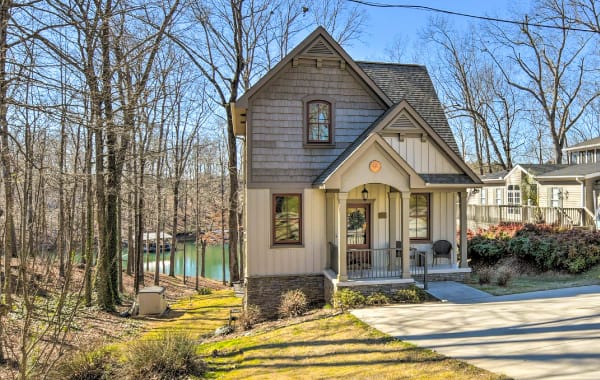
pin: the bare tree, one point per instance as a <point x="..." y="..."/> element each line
<point x="553" y="69"/>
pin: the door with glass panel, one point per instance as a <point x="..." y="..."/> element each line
<point x="358" y="235"/>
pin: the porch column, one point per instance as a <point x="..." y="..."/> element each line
<point x="341" y="233"/>
<point x="463" y="229"/>
<point x="394" y="196"/>
<point x="329" y="224"/>
<point x="405" y="235"/>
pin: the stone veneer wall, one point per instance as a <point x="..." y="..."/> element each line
<point x="458" y="276"/>
<point x="265" y="292"/>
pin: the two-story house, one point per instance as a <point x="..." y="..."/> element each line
<point x="352" y="175"/>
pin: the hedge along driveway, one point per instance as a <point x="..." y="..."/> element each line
<point x="543" y="335"/>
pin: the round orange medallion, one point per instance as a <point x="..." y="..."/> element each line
<point x="375" y="166"/>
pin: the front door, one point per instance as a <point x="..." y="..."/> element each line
<point x="358" y="217"/>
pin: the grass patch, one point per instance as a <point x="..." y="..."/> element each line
<point x="197" y="316"/>
<point x="523" y="283"/>
<point x="333" y="346"/>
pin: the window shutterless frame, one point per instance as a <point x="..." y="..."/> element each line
<point x="286" y="219"/>
<point x="319" y="120"/>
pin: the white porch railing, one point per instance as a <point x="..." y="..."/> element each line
<point x="484" y="215"/>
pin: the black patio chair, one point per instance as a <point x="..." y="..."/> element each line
<point x="441" y="249"/>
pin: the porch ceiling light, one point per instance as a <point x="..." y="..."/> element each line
<point x="365" y="193"/>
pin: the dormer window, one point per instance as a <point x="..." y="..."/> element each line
<point x="319" y="122"/>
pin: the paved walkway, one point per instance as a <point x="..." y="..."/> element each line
<point x="541" y="335"/>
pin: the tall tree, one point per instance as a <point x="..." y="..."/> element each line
<point x="552" y="68"/>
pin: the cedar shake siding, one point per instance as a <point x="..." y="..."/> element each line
<point x="277" y="148"/>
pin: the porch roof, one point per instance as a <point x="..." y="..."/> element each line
<point x="587" y="171"/>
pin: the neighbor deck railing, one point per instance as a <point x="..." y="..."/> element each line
<point x="484" y="215"/>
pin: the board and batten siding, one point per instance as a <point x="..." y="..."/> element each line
<point x="423" y="156"/>
<point x="262" y="258"/>
<point x="276" y="123"/>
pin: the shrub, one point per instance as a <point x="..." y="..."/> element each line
<point x="377" y="299"/>
<point x="412" y="294"/>
<point x="249" y="316"/>
<point x="293" y="304"/>
<point x="485" y="275"/>
<point x="85" y="365"/>
<point x="204" y="291"/>
<point x="504" y="276"/>
<point x="345" y="299"/>
<point x="169" y="356"/>
<point x="485" y="250"/>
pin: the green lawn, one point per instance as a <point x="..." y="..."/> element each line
<point x="332" y="346"/>
<point x="544" y="281"/>
<point x="324" y="346"/>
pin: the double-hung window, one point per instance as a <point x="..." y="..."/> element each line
<point x="483" y="197"/>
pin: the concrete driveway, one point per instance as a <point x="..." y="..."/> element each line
<point x="540" y="335"/>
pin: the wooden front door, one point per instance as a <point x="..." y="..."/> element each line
<point x="358" y="224"/>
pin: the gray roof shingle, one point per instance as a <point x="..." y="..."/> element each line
<point x="413" y="84"/>
<point x="539" y="169"/>
<point x="574" y="170"/>
<point x="494" y="176"/>
<point x="594" y="141"/>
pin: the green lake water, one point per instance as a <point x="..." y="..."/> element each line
<point x="214" y="261"/>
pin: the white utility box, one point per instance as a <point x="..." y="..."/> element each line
<point x="152" y="300"/>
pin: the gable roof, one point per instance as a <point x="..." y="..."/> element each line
<point x="370" y="140"/>
<point x="595" y="142"/>
<point x="468" y="177"/>
<point x="413" y="84"/>
<point x="530" y="169"/>
<point x="590" y="170"/>
<point x="320" y="32"/>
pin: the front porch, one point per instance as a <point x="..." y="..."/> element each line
<point x="377" y="233"/>
<point x="385" y="264"/>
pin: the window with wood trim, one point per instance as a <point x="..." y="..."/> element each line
<point x="419" y="216"/>
<point x="287" y="219"/>
<point x="318" y="120"/>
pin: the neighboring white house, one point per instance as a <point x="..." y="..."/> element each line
<point x="574" y="188"/>
<point x="351" y="171"/>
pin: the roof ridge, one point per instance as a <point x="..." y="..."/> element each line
<point x="391" y="63"/>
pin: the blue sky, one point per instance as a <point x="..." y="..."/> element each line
<point x="384" y="25"/>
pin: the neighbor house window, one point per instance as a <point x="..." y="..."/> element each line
<point x="483" y="196"/>
<point x="597" y="156"/>
<point x="418" y="224"/>
<point x="555" y="197"/>
<point x="514" y="198"/>
<point x="498" y="197"/>
<point x="514" y="195"/>
<point x="590" y="156"/>
<point x="287" y="219"/>
<point x="318" y="122"/>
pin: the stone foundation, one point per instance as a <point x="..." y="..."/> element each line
<point x="266" y="291"/>
<point x="457" y="276"/>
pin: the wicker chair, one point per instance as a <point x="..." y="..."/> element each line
<point x="441" y="249"/>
